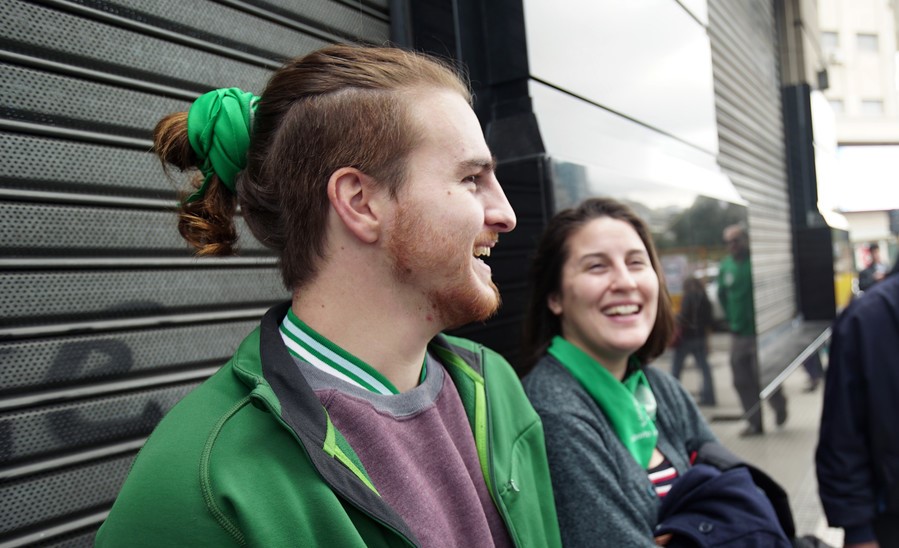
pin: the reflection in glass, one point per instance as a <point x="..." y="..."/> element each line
<point x="650" y="61"/>
<point x="687" y="227"/>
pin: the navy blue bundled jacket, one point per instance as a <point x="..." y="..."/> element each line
<point x="724" y="501"/>
<point x="858" y="450"/>
<point x="710" y="507"/>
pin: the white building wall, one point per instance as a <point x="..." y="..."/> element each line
<point x="859" y="77"/>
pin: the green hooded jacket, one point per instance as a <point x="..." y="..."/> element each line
<point x="251" y="458"/>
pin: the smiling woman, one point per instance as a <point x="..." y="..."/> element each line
<point x="608" y="299"/>
<point x="619" y="432"/>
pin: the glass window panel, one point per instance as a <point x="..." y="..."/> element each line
<point x="649" y="60"/>
<point x="872" y="106"/>
<point x="867" y="42"/>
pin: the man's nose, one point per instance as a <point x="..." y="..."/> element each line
<point x="498" y="213"/>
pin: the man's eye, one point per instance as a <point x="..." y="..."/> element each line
<point x="473" y="179"/>
<point x="596" y="266"/>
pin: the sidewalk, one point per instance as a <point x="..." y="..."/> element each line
<point x="786" y="453"/>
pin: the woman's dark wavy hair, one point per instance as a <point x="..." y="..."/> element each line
<point x="545" y="279"/>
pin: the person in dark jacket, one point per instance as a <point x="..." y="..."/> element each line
<point x="874" y="272"/>
<point x="858" y="449"/>
<point x="693" y="322"/>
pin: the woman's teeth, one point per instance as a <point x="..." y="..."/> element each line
<point x="622" y="310"/>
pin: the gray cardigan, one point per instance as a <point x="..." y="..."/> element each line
<point x="603" y="497"/>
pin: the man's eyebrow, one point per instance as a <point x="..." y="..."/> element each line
<point x="481" y="164"/>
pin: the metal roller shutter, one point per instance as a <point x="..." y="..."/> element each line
<point x="751" y="143"/>
<point x="107" y="320"/>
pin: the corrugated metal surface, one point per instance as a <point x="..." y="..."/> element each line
<point x="751" y="142"/>
<point x="106" y="319"/>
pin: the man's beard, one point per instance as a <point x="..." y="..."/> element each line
<point x="418" y="251"/>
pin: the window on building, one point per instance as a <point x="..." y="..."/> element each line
<point x="872" y="106"/>
<point x="830" y="41"/>
<point x="836" y="105"/>
<point x="867" y="42"/>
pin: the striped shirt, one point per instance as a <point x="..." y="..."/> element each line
<point x="662" y="477"/>
<point x="306" y="344"/>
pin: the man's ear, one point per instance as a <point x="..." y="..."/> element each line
<point x="554" y="303"/>
<point x="355" y="198"/>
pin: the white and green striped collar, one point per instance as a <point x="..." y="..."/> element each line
<point x="305" y="343"/>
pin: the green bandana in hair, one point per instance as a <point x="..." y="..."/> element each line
<point x="218" y="128"/>
<point x="629" y="404"/>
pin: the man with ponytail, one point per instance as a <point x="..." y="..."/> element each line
<point x="347" y="418"/>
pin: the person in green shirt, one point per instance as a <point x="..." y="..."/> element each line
<point x="736" y="297"/>
<point x="347" y="419"/>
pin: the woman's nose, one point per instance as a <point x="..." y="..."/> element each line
<point x="623" y="278"/>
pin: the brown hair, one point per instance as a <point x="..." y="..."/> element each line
<point x="340" y="106"/>
<point x="545" y="279"/>
<point x="693" y="285"/>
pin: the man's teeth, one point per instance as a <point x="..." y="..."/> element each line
<point x="622" y="310"/>
<point x="481" y="250"/>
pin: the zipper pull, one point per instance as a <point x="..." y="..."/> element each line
<point x="511" y="485"/>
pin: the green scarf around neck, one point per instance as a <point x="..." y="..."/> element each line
<point x="629" y="404"/>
